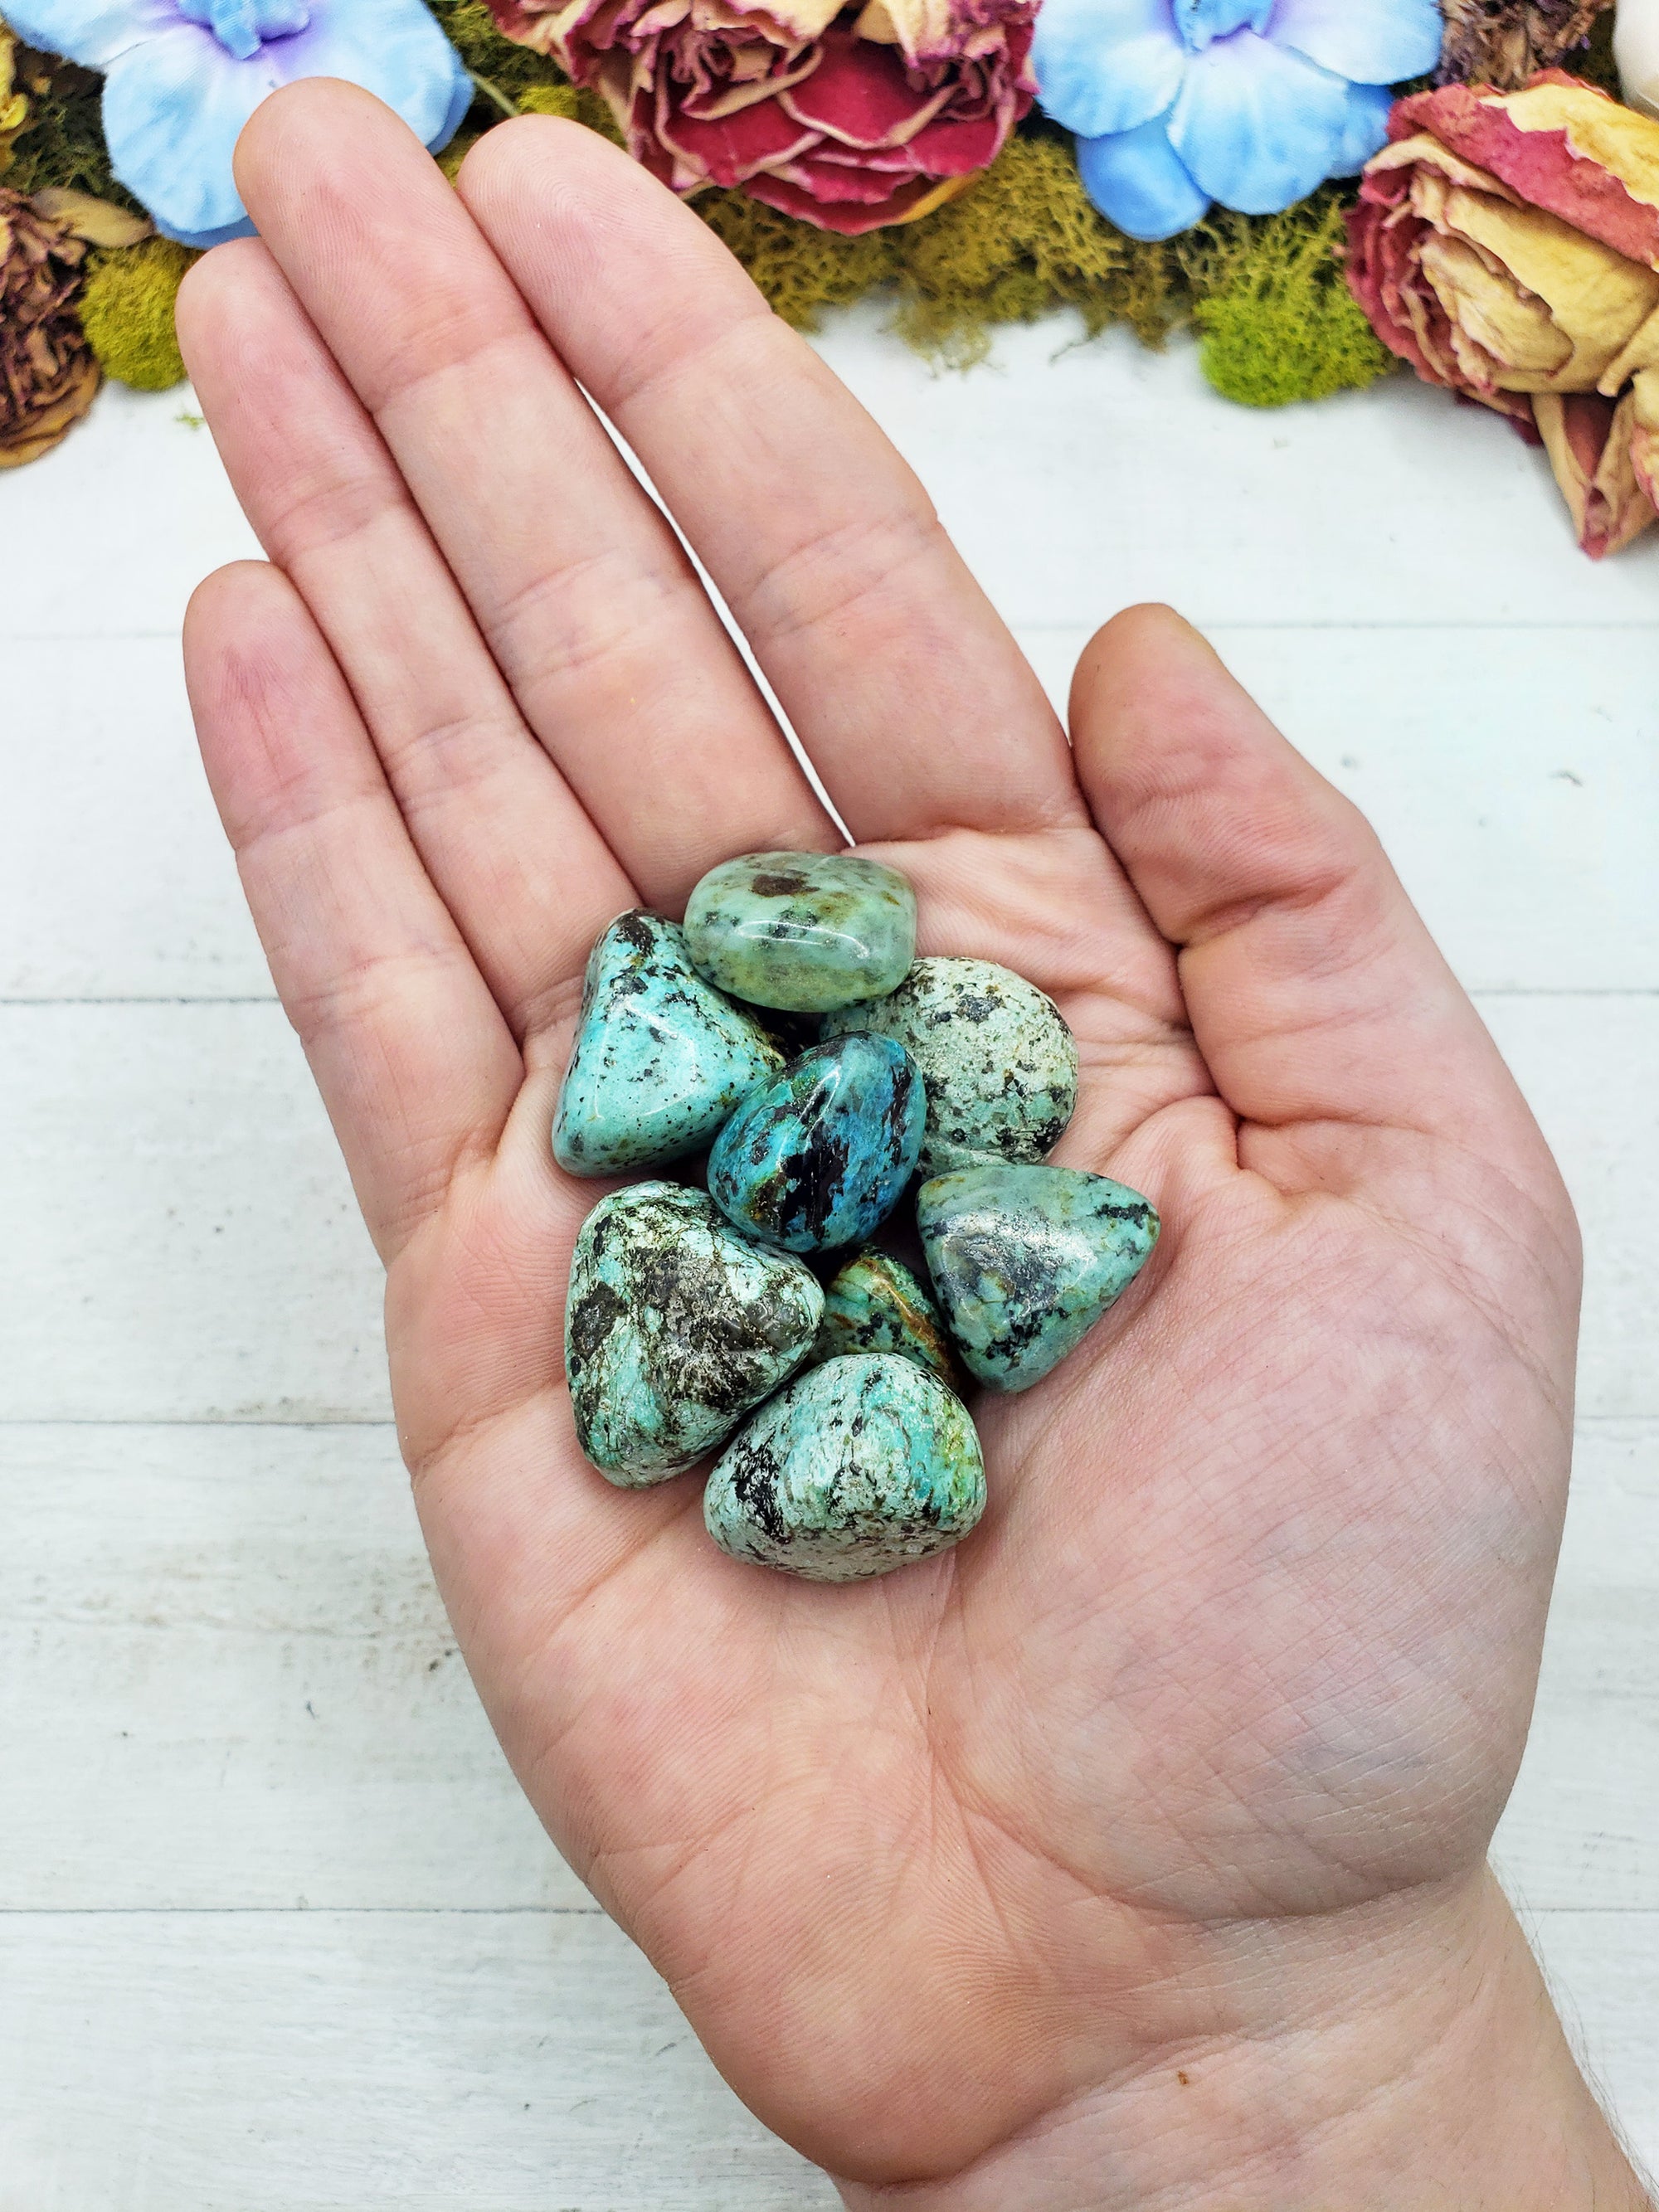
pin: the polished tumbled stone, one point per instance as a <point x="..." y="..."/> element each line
<point x="1025" y="1260"/>
<point x="998" y="1061"/>
<point x="804" y="931"/>
<point x="857" y="1468"/>
<point x="874" y="1303"/>
<point x="820" y="1157"/>
<point x="660" y="1059"/>
<point x="676" y="1327"/>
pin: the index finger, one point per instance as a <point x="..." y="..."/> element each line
<point x="915" y="705"/>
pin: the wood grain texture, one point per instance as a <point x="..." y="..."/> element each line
<point x="239" y="1689"/>
<point x="277" y="1928"/>
<point x="317" y="2062"/>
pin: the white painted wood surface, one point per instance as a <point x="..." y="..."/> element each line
<point x="277" y="1933"/>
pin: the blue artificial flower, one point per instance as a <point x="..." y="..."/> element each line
<point x="182" y="76"/>
<point x="1176" y="103"/>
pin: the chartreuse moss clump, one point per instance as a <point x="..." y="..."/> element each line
<point x="1276" y="320"/>
<point x="126" y="311"/>
<point x="61" y="140"/>
<point x="1023" y="241"/>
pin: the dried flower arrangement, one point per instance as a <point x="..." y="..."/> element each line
<point x="973" y="161"/>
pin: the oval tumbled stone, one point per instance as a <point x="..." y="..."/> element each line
<point x="876" y="1305"/>
<point x="858" y="1467"/>
<point x="802" y="931"/>
<point x="659" y="1060"/>
<point x="1025" y="1260"/>
<point x="820" y="1157"/>
<point x="676" y="1327"/>
<point x="998" y="1061"/>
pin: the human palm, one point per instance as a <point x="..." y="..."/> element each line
<point x="1237" y="1666"/>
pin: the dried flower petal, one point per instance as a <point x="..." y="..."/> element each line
<point x="47" y="374"/>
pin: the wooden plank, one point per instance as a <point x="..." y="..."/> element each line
<point x="120" y="523"/>
<point x="1589" y="1068"/>
<point x="1513" y="777"/>
<point x="116" y="880"/>
<point x="1076" y="479"/>
<point x="1580" y="1827"/>
<point x="183" y="1243"/>
<point x="309" y="2061"/>
<point x="529" y="2062"/>
<point x="231" y="1633"/>
<point x="1603" y="1968"/>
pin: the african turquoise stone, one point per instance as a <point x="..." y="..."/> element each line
<point x="821" y="1156"/>
<point x="1025" y="1260"/>
<point x="676" y="1327"/>
<point x="998" y="1062"/>
<point x="805" y="931"/>
<point x="661" y="1060"/>
<point x="876" y="1305"/>
<point x="857" y="1468"/>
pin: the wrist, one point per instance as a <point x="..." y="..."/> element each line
<point x="1408" y="2060"/>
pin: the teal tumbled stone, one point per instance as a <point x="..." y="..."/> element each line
<point x="1025" y="1260"/>
<point x="997" y="1059"/>
<point x="676" y="1327"/>
<point x="858" y="1467"/>
<point x="874" y="1303"/>
<point x="802" y="931"/>
<point x="821" y="1156"/>
<point x="660" y="1059"/>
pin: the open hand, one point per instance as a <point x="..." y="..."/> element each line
<point x="1017" y="1876"/>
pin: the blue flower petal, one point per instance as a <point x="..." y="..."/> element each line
<point x="173" y="108"/>
<point x="90" y="32"/>
<point x="1105" y="65"/>
<point x="1366" y="129"/>
<point x="1372" y="41"/>
<point x="1137" y="182"/>
<point x="1257" y="125"/>
<point x="393" y="48"/>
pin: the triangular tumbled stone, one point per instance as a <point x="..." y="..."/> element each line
<point x="661" y="1058"/>
<point x="676" y="1327"/>
<point x="1025" y="1260"/>
<point x="858" y="1467"/>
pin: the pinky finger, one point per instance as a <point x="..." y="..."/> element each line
<point x="416" y="1067"/>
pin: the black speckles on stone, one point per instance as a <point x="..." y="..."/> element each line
<point x="819" y="1158"/>
<point x="999" y="1064"/>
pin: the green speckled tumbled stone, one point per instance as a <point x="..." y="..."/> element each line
<point x="997" y="1060"/>
<point x="802" y="931"/>
<point x="661" y="1060"/>
<point x="857" y="1468"/>
<point x="676" y="1327"/>
<point x="876" y="1305"/>
<point x="1025" y="1260"/>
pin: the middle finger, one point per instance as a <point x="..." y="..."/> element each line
<point x="585" y="595"/>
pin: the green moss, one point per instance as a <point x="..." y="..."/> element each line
<point x="126" y="311"/>
<point x="801" y="269"/>
<point x="1023" y="241"/>
<point x="62" y="141"/>
<point x="1276" y="321"/>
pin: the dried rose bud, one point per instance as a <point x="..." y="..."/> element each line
<point x="1507" y="246"/>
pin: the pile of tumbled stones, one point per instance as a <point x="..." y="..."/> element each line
<point x="695" y="1319"/>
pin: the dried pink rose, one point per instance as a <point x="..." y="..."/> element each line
<point x="1506" y="244"/>
<point x="849" y="116"/>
